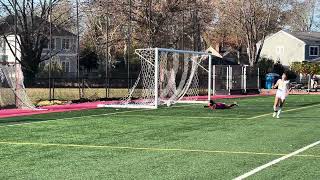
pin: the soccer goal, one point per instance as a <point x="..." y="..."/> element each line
<point x="169" y="76"/>
<point x="12" y="90"/>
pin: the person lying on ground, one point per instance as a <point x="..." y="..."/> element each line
<point x="218" y="105"/>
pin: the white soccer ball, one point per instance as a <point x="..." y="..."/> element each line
<point x="168" y="104"/>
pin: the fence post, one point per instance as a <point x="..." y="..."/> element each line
<point x="82" y="88"/>
<point x="229" y="79"/>
<point x="258" y="79"/>
<point x="309" y="82"/>
<point x="108" y="87"/>
<point x="245" y="78"/>
<point x="53" y="89"/>
<point x="214" y="80"/>
<point x="227" y="83"/>
<point x="242" y="78"/>
<point x="210" y="78"/>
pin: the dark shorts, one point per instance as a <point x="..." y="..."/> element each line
<point x="221" y="106"/>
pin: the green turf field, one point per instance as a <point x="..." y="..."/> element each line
<point x="180" y="142"/>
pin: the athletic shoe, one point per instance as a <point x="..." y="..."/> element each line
<point x="274" y="114"/>
<point x="278" y="113"/>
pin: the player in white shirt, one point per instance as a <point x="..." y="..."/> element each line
<point x="282" y="92"/>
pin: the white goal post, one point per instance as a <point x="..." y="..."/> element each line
<point x="169" y="76"/>
<point x="12" y="90"/>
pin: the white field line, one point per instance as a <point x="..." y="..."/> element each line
<point x="289" y="110"/>
<point x="149" y="149"/>
<point x="181" y="117"/>
<point x="78" y="117"/>
<point x="89" y="116"/>
<point x="260" y="168"/>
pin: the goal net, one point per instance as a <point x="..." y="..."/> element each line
<point x="167" y="77"/>
<point x="12" y="91"/>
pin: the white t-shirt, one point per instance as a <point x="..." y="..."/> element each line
<point x="283" y="85"/>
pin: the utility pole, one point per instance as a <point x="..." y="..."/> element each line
<point x="50" y="49"/>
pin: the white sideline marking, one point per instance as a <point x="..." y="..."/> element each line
<point x="260" y="168"/>
<point x="150" y="149"/>
<point x="79" y="117"/>
<point x="289" y="110"/>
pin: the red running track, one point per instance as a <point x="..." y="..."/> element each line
<point x="7" y="113"/>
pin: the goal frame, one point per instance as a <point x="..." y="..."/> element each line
<point x="12" y="76"/>
<point x="155" y="105"/>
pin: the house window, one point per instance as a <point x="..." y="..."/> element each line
<point x="280" y="50"/>
<point x="66" y="44"/>
<point x="314" y="50"/>
<point x="3" y="58"/>
<point x="2" y="44"/>
<point x="65" y="66"/>
<point x="53" y="44"/>
<point x="46" y="45"/>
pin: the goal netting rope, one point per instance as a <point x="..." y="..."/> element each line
<point x="177" y="79"/>
<point x="12" y="90"/>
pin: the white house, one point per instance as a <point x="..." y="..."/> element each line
<point x="288" y="47"/>
<point x="6" y="55"/>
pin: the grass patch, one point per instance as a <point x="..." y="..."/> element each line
<point x="96" y="136"/>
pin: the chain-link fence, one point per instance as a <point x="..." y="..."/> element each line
<point x="83" y="89"/>
<point x="235" y="79"/>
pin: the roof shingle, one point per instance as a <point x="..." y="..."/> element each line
<point x="310" y="38"/>
<point x="7" y="26"/>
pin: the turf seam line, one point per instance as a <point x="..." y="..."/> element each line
<point x="289" y="110"/>
<point x="79" y="117"/>
<point x="260" y="168"/>
<point x="150" y="149"/>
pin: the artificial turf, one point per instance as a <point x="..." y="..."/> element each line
<point x="181" y="142"/>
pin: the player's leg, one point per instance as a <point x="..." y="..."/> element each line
<point x="275" y="106"/>
<point x="282" y="101"/>
<point x="232" y="105"/>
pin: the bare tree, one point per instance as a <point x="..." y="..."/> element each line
<point x="303" y="15"/>
<point x="174" y="24"/>
<point x="191" y="24"/>
<point x="32" y="26"/>
<point x="252" y="20"/>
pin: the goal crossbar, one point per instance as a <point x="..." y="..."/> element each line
<point x="175" y="51"/>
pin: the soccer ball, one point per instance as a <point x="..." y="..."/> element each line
<point x="168" y="104"/>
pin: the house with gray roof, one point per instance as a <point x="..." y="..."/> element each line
<point x="288" y="47"/>
<point x="63" y="44"/>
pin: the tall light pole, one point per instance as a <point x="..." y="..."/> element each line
<point x="15" y="49"/>
<point x="78" y="49"/>
<point x="107" y="44"/>
<point x="129" y="44"/>
<point x="50" y="49"/>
